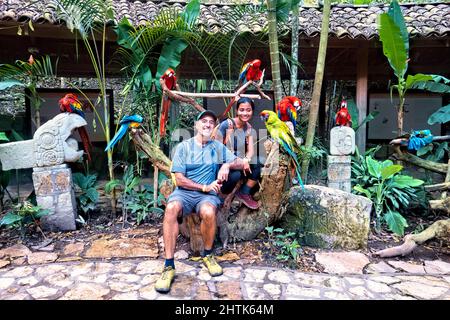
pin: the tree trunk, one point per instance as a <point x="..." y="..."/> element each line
<point x="294" y="68"/>
<point x="314" y="108"/>
<point x="440" y="229"/>
<point x="274" y="50"/>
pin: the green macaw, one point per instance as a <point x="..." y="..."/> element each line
<point x="280" y="132"/>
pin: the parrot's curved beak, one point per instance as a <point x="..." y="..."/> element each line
<point x="264" y="116"/>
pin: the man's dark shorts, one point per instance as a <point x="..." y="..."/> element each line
<point x="191" y="200"/>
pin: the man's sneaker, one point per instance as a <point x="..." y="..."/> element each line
<point x="213" y="267"/>
<point x="247" y="200"/>
<point x="165" y="281"/>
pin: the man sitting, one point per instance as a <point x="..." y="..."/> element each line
<point x="196" y="163"/>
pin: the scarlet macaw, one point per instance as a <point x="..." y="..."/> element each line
<point x="287" y="109"/>
<point x="70" y="103"/>
<point x="171" y="82"/>
<point x="133" y="121"/>
<point x="280" y="132"/>
<point x="250" y="71"/>
<point x="343" y="117"/>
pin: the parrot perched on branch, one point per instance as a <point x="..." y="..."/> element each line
<point x="250" y="71"/>
<point x="287" y="109"/>
<point x="171" y="83"/>
<point x="70" y="103"/>
<point x="343" y="117"/>
<point x="133" y="121"/>
<point x="280" y="132"/>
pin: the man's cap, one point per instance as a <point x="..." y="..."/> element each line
<point x="206" y="113"/>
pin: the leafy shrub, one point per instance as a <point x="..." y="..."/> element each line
<point x="89" y="194"/>
<point x="138" y="202"/>
<point x="390" y="191"/>
<point x="22" y="215"/>
<point x="288" y="247"/>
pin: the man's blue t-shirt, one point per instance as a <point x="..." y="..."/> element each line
<point x="200" y="163"/>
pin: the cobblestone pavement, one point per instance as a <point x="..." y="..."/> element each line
<point x="132" y="279"/>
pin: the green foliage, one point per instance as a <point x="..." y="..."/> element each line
<point x="440" y="116"/>
<point x="434" y="151"/>
<point x="22" y="215"/>
<point x="354" y="113"/>
<point x="390" y="191"/>
<point x="89" y="194"/>
<point x="139" y="203"/>
<point x="393" y="46"/>
<point x="3" y="137"/>
<point x="288" y="247"/>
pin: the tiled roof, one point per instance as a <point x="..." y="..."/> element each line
<point x="423" y="20"/>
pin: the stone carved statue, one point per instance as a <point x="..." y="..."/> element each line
<point x="342" y="141"/>
<point x="51" y="145"/>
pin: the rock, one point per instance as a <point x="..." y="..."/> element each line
<point x="361" y="293"/>
<point x="327" y="218"/>
<point x="123" y="286"/>
<point x="408" y="267"/>
<point x="41" y="257"/>
<point x="15" y="251"/>
<point x="122" y="277"/>
<point x="126" y="296"/>
<point x="148" y="292"/>
<point x="380" y="267"/>
<point x="437" y="266"/>
<point x="19" y="261"/>
<point x="254" y="292"/>
<point x="342" y="262"/>
<point x="232" y="272"/>
<point x="19" y="272"/>
<point x="274" y="290"/>
<point x="229" y="290"/>
<point x="293" y="290"/>
<point x="181" y="255"/>
<point x="50" y="269"/>
<point x="202" y="293"/>
<point x="73" y="249"/>
<point x="378" y="287"/>
<point x="42" y="292"/>
<point x="4" y="263"/>
<point x="342" y="141"/>
<point x="149" y="279"/>
<point x="150" y="266"/>
<point x="28" y="281"/>
<point x="336" y="295"/>
<point x="280" y="276"/>
<point x="86" y="291"/>
<point x="123" y="248"/>
<point x="5" y="282"/>
<point x="59" y="280"/>
<point x="51" y="145"/>
<point x="420" y="291"/>
<point x="54" y="192"/>
<point x="182" y="287"/>
<point x="255" y="275"/>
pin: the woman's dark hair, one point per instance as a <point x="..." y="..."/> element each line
<point x="245" y="100"/>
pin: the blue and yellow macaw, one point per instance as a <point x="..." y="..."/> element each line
<point x="280" y="132"/>
<point x="133" y="121"/>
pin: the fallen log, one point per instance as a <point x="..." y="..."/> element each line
<point x="438" y="186"/>
<point x="443" y="204"/>
<point x="426" y="164"/>
<point x="439" y="229"/>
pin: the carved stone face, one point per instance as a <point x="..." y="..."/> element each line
<point x="342" y="141"/>
<point x="52" y="142"/>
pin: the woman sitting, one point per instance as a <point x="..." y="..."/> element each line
<point x="236" y="134"/>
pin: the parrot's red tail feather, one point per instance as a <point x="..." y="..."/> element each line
<point x="164" y="116"/>
<point x="86" y="142"/>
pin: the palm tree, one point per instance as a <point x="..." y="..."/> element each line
<point x="314" y="108"/>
